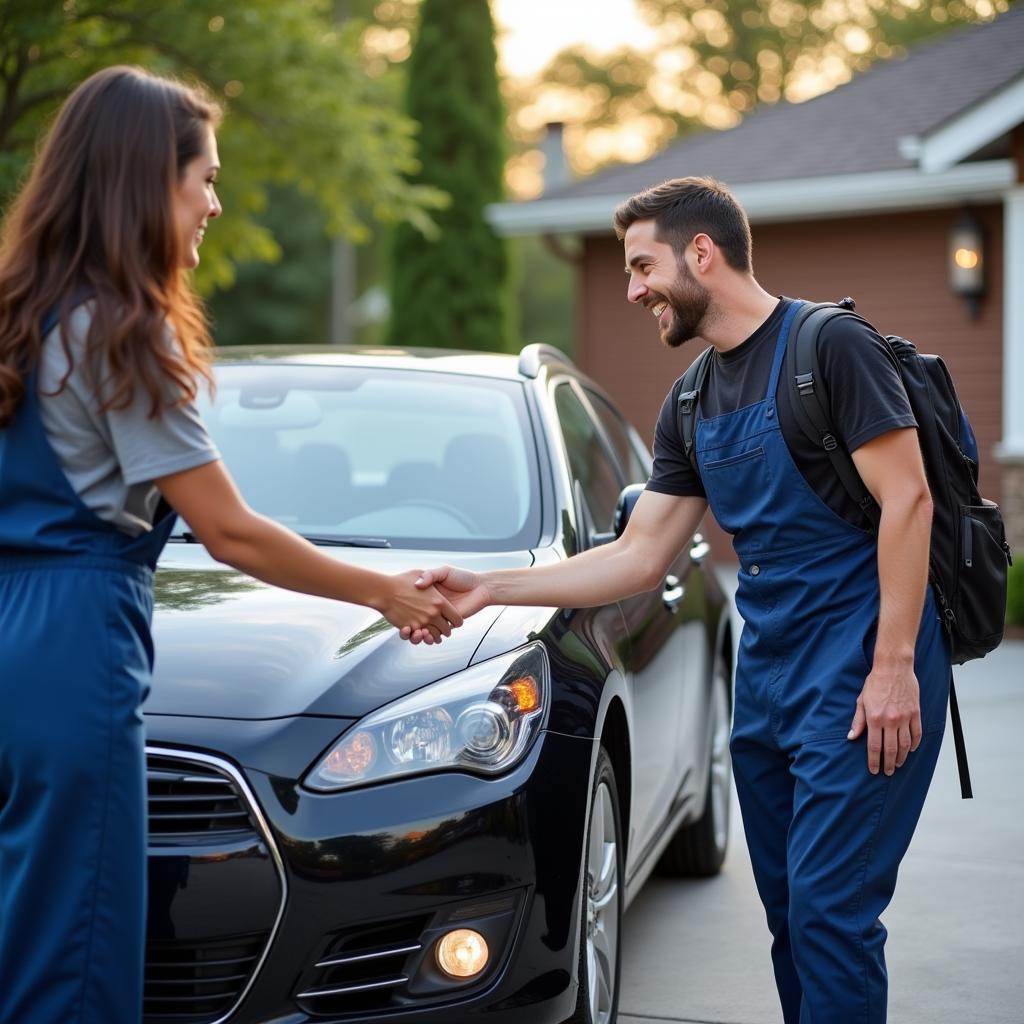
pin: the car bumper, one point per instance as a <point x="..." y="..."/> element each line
<point x="343" y="896"/>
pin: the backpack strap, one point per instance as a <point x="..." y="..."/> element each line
<point x="810" y="401"/>
<point x="689" y="399"/>
<point x="966" y="792"/>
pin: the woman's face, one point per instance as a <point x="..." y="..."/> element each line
<point x="195" y="199"/>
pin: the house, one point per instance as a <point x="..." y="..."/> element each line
<point x="864" y="191"/>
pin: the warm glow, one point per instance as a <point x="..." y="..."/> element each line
<point x="966" y="258"/>
<point x="531" y="32"/>
<point x="462" y="953"/>
<point x="526" y="692"/>
<point x="353" y="758"/>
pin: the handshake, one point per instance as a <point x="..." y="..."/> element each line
<point x="428" y="605"/>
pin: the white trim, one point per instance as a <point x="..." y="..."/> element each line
<point x="794" y="199"/>
<point x="974" y="128"/>
<point x="1012" y="445"/>
<point x="909" y="146"/>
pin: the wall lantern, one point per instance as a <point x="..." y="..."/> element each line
<point x="967" y="261"/>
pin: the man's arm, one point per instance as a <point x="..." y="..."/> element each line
<point x="659" y="527"/>
<point x="889" y="705"/>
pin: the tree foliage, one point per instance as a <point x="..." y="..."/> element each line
<point x="301" y="107"/>
<point x="715" y="60"/>
<point x="450" y="290"/>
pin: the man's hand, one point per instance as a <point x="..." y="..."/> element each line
<point x="890" y="707"/>
<point x="430" y="612"/>
<point x="465" y="590"/>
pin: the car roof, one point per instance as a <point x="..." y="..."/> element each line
<point x="483" y="364"/>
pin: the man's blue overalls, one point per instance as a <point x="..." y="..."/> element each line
<point x="75" y="662"/>
<point x="825" y="836"/>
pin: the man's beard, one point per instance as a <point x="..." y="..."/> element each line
<point x="689" y="301"/>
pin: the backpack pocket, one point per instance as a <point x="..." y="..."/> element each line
<point x="979" y="601"/>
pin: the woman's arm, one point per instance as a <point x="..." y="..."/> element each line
<point x="233" y="533"/>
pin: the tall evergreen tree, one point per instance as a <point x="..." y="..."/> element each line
<point x="450" y="290"/>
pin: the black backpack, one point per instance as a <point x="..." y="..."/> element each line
<point x="969" y="555"/>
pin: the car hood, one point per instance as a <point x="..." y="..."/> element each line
<point x="229" y="646"/>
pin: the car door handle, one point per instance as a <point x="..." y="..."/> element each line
<point x="673" y="593"/>
<point x="699" y="549"/>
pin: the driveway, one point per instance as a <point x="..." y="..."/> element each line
<point x="696" y="952"/>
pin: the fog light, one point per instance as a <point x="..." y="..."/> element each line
<point x="462" y="953"/>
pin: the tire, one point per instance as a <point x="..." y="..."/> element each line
<point x="698" y="849"/>
<point x="601" y="923"/>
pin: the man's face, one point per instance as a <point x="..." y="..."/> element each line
<point x="664" y="284"/>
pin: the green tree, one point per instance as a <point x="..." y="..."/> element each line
<point x="302" y="109"/>
<point x="285" y="302"/>
<point x="451" y="290"/>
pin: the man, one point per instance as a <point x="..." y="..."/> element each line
<point x="842" y="676"/>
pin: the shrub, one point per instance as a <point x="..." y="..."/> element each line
<point x="1015" y="592"/>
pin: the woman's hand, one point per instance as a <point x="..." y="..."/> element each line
<point x="420" y="610"/>
<point x="466" y="591"/>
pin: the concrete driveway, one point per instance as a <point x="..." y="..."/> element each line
<point x="697" y="951"/>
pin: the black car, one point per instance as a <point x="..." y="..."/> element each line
<point x="347" y="827"/>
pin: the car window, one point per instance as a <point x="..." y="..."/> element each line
<point x="588" y="458"/>
<point x="419" y="459"/>
<point x="623" y="440"/>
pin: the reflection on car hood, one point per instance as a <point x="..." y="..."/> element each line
<point x="228" y="646"/>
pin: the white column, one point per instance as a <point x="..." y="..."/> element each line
<point x="1012" y="444"/>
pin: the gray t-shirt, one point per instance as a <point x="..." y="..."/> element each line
<point x="112" y="458"/>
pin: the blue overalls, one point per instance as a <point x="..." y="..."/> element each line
<point x="825" y="836"/>
<point x="76" y="597"/>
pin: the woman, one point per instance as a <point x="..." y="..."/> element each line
<point x="101" y="345"/>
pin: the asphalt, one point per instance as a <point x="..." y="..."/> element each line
<point x="697" y="952"/>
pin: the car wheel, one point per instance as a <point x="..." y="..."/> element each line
<point x="601" y="926"/>
<point x="698" y="849"/>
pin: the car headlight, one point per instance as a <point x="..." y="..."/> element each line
<point x="482" y="720"/>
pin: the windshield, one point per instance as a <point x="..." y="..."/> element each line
<point x="379" y="456"/>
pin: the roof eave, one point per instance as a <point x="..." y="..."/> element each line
<point x="972" y="129"/>
<point x="794" y="199"/>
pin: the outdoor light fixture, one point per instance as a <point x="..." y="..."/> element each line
<point x="967" y="261"/>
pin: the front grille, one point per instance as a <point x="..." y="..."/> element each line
<point x="188" y="798"/>
<point x="363" y="969"/>
<point x="208" y="839"/>
<point x="197" y="982"/>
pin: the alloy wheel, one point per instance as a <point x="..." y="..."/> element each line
<point x="602" y="907"/>
<point x="721" y="765"/>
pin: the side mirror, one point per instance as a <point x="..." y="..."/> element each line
<point x="628" y="498"/>
<point x="623" y="510"/>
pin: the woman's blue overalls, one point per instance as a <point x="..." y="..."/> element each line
<point x="825" y="836"/>
<point x="75" y="661"/>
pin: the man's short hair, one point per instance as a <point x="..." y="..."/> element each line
<point x="684" y="207"/>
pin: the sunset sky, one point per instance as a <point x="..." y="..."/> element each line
<point x="533" y="31"/>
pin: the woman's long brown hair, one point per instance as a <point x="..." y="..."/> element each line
<point x="96" y="218"/>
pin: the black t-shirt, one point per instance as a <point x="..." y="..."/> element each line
<point x="862" y="380"/>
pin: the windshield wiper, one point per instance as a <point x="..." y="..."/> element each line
<point x="347" y="542"/>
<point x="330" y="542"/>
